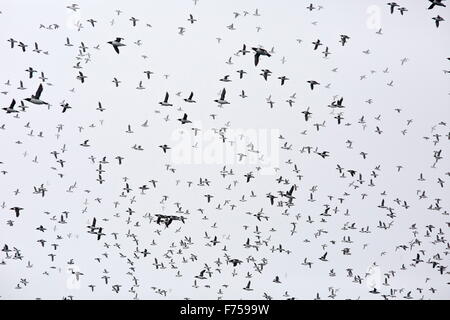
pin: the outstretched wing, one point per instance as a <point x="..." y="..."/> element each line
<point x="39" y="91"/>
<point x="116" y="48"/>
<point x="166" y="98"/>
<point x="222" y="96"/>
<point x="256" y="59"/>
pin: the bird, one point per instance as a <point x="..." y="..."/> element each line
<point x="166" y="101"/>
<point x="116" y="82"/>
<point x="11" y="109"/>
<point x="221" y="100"/>
<point x="344" y="39"/>
<point x="283" y="79"/>
<point x="133" y="22"/>
<point x="312" y="83"/>
<point x="247" y="287"/>
<point x="164" y="147"/>
<point x="316" y="44"/>
<point x="437" y="20"/>
<point x="392" y="6"/>
<point x="191" y="19"/>
<point x="190" y="98"/>
<point x="436" y="3"/>
<point x="65" y="106"/>
<point x="36" y="98"/>
<point x="260" y="52"/>
<point x="17" y="211"/>
<point x="73" y="7"/>
<point x="184" y="120"/>
<point x="117" y="43"/>
<point x="81" y="76"/>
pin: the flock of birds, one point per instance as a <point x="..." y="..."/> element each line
<point x="226" y="231"/>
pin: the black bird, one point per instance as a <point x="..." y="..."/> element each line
<point x="191" y="19"/>
<point x="307" y="114"/>
<point x="189" y="99"/>
<point x="324" y="257"/>
<point x="81" y="76"/>
<point x="244" y="50"/>
<point x="260" y="52"/>
<point x="116" y="44"/>
<point x="133" y="21"/>
<point x="344" y="39"/>
<point x="402" y="9"/>
<point x="184" y="120"/>
<point x="11" y="109"/>
<point x="65" y="106"/>
<point x="283" y="79"/>
<point x="392" y="5"/>
<point x="31" y="71"/>
<point x="435" y="3"/>
<point x="317" y="44"/>
<point x="241" y="73"/>
<point x="437" y="20"/>
<point x="337" y="103"/>
<point x="16" y="210"/>
<point x="312" y="83"/>
<point x="36" y="98"/>
<point x="265" y="73"/>
<point x="166" y="101"/>
<point x="165" y="147"/>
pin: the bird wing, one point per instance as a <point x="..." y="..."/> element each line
<point x="116" y="48"/>
<point x="222" y="96"/>
<point x="256" y="58"/>
<point x="166" y="98"/>
<point x="39" y="91"/>
<point x="292" y="190"/>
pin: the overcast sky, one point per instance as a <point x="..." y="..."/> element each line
<point x="195" y="61"/>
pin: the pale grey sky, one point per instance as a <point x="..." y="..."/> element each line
<point x="195" y="62"/>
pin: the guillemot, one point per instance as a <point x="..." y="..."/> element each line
<point x="36" y="98"/>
